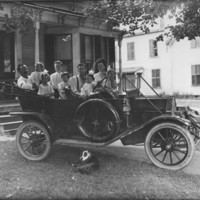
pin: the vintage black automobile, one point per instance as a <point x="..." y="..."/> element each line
<point x="169" y="133"/>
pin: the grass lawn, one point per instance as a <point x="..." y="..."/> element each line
<point x="118" y="178"/>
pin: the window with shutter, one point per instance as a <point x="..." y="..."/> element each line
<point x="195" y="43"/>
<point x="153" y="48"/>
<point x="195" y="69"/>
<point x="156" y="78"/>
<point x="130" y="51"/>
<point x="192" y="43"/>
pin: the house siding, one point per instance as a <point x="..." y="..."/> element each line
<point x="174" y="61"/>
<point x="41" y="43"/>
<point x="28" y="51"/>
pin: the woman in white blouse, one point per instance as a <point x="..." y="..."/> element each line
<point x="100" y="70"/>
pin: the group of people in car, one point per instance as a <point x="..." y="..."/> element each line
<point x="55" y="85"/>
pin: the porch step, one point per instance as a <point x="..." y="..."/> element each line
<point x="9" y="118"/>
<point x="10" y="133"/>
<point x="9" y="128"/>
<point x="11" y="125"/>
<point x="5" y="108"/>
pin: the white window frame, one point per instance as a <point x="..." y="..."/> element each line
<point x="153" y="48"/>
<point x="195" y="72"/>
<point x="130" y="51"/>
<point x="156" y="80"/>
<point x="195" y="43"/>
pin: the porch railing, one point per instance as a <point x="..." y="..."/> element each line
<point x="4" y="96"/>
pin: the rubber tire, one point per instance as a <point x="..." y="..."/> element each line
<point x="110" y="108"/>
<point x="47" y="135"/>
<point x="184" y="132"/>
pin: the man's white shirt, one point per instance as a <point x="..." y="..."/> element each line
<point x="55" y="79"/>
<point x="76" y="83"/>
<point x="24" y="83"/>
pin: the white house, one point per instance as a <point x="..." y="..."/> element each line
<point x="170" y="67"/>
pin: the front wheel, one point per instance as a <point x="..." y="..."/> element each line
<point x="169" y="146"/>
<point x="33" y="141"/>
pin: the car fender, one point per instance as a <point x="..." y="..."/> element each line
<point x="170" y="118"/>
<point x="138" y="134"/>
<point x="40" y="117"/>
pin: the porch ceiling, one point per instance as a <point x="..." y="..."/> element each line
<point x="131" y="69"/>
<point x="58" y="26"/>
<point x="60" y="7"/>
<point x="64" y="14"/>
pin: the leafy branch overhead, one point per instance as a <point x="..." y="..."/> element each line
<point x="131" y="15"/>
<point x="20" y="18"/>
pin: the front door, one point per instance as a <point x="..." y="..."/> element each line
<point x="58" y="47"/>
<point x="7" y="56"/>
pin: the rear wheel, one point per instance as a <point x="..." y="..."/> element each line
<point x="33" y="141"/>
<point x="169" y="146"/>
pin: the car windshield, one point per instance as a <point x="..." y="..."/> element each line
<point x="130" y="81"/>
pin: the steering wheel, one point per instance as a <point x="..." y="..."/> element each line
<point x="70" y="94"/>
<point x="99" y="84"/>
<point x="104" y="89"/>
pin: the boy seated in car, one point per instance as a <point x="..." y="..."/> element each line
<point x="65" y="84"/>
<point x="87" y="88"/>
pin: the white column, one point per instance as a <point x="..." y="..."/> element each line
<point x="120" y="64"/>
<point x="37" y="49"/>
<point x="18" y="51"/>
<point x="76" y="50"/>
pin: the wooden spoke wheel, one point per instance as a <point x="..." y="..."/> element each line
<point x="169" y="146"/>
<point x="33" y="141"/>
<point x="194" y="130"/>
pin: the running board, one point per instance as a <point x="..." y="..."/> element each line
<point x="79" y="143"/>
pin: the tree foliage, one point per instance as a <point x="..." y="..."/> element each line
<point x="187" y="21"/>
<point x="141" y="15"/>
<point x="20" y="18"/>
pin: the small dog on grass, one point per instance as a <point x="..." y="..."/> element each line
<point x="87" y="163"/>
